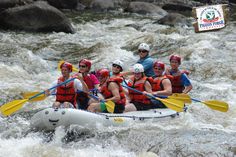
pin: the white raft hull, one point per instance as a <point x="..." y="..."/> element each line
<point x="49" y="119"/>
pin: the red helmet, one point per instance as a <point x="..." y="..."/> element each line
<point x="101" y="73"/>
<point x="175" y="57"/>
<point x="67" y="65"/>
<point x="159" y="64"/>
<point x="87" y="62"/>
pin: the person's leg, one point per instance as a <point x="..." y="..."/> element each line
<point x="130" y="107"/>
<point x="157" y="104"/>
<point x="83" y="103"/>
<point x="56" y="104"/>
<point x="119" y="108"/>
<point x="94" y="107"/>
<point x="67" y="105"/>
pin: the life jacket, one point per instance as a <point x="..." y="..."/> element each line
<point x="135" y="96"/>
<point x="87" y="80"/>
<point x="156" y="82"/>
<point x="108" y="94"/>
<point x="117" y="75"/>
<point x="177" y="86"/>
<point x="65" y="93"/>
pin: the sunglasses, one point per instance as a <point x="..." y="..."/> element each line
<point x="142" y="51"/>
<point x="156" y="68"/>
<point x="115" y="66"/>
<point x="82" y="66"/>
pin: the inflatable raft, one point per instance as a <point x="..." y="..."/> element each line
<point x="49" y="118"/>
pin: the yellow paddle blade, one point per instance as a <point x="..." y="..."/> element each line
<point x="182" y="97"/>
<point x="11" y="107"/>
<point x="74" y="69"/>
<point x="110" y="105"/>
<point x="173" y="104"/>
<point x="28" y="95"/>
<point x="59" y="65"/>
<point x="217" y="105"/>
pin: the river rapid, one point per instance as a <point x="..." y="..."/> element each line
<point x="28" y="62"/>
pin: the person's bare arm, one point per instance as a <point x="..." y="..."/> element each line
<point x="167" y="88"/>
<point x="114" y="88"/>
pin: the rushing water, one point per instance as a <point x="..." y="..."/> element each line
<point x="28" y="62"/>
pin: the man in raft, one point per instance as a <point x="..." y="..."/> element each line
<point x="91" y="81"/>
<point x="161" y="84"/>
<point x="111" y="90"/>
<point x="65" y="94"/>
<point x="145" y="59"/>
<point x="180" y="81"/>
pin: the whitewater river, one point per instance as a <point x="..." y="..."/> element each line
<point x="28" y="62"/>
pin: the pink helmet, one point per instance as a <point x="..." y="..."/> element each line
<point x="67" y="65"/>
<point x="101" y="73"/>
<point x="175" y="57"/>
<point x="159" y="64"/>
<point x="87" y="62"/>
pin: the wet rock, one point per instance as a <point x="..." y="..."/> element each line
<point x="145" y="8"/>
<point x="64" y="4"/>
<point x="38" y="17"/>
<point x="179" y="5"/>
<point x="7" y="4"/>
<point x="102" y="5"/>
<point x="174" y="19"/>
<point x="4" y="4"/>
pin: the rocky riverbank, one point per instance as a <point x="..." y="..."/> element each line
<point x="48" y="15"/>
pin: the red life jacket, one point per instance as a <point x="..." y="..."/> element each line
<point x="135" y="96"/>
<point x="66" y="93"/>
<point x="87" y="80"/>
<point x="108" y="94"/>
<point x="177" y="86"/>
<point x="156" y="82"/>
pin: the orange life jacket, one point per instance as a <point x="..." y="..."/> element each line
<point x="108" y="94"/>
<point x="156" y="82"/>
<point x="66" y="92"/>
<point x="135" y="96"/>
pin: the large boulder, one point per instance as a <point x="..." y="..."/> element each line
<point x="4" y="4"/>
<point x="145" y="8"/>
<point x="174" y="19"/>
<point x="102" y="5"/>
<point x="38" y="16"/>
<point x="64" y="4"/>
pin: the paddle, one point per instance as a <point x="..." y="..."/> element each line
<point x="27" y="95"/>
<point x="13" y="106"/>
<point x="73" y="68"/>
<point x="170" y="103"/>
<point x="178" y="96"/>
<point x="213" y="104"/>
<point x="109" y="104"/>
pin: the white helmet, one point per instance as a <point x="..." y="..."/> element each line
<point x="138" y="68"/>
<point x="118" y="62"/>
<point x="144" y="46"/>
